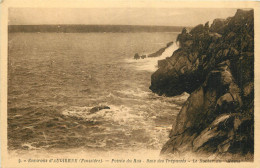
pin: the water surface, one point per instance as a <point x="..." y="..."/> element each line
<point x="54" y="79"/>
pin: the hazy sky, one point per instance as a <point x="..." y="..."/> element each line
<point x="118" y="16"/>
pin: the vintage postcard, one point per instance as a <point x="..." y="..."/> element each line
<point x="129" y="83"/>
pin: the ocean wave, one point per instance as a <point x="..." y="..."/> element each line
<point x="119" y="114"/>
<point x="134" y="93"/>
<point x="150" y="64"/>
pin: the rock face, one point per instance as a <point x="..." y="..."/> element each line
<point x="215" y="64"/>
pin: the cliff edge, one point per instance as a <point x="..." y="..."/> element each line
<point x="215" y="65"/>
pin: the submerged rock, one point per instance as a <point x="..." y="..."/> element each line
<point x="215" y="65"/>
<point x="98" y="108"/>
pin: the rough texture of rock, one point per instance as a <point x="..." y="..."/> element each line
<point x="98" y="108"/>
<point x="216" y="66"/>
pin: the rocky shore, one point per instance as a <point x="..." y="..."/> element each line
<point x="215" y="65"/>
<point x="155" y="54"/>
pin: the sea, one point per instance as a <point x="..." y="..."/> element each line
<point x="55" y="79"/>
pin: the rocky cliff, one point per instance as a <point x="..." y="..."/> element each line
<point x="215" y="65"/>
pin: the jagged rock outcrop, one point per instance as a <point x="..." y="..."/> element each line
<point x="155" y="54"/>
<point x="216" y="66"/>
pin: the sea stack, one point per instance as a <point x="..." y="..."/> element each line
<point x="215" y="65"/>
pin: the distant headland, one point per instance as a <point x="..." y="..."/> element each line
<point x="91" y="28"/>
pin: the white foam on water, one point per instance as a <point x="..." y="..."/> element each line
<point x="119" y="114"/>
<point x="129" y="125"/>
<point x="29" y="146"/>
<point x="137" y="92"/>
<point x="150" y="63"/>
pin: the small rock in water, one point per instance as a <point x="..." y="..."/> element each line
<point x="143" y="56"/>
<point x="98" y="108"/>
<point x="137" y="56"/>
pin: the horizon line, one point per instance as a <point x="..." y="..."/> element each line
<point x="92" y="25"/>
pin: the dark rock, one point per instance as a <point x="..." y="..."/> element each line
<point x="217" y="131"/>
<point x="187" y="44"/>
<point x="210" y="100"/>
<point x="169" y="44"/>
<point x="136" y="56"/>
<point x="230" y="37"/>
<point x="216" y="66"/>
<point x="143" y="56"/>
<point x="157" y="53"/>
<point x="197" y="29"/>
<point x="160" y="51"/>
<point x="218" y="25"/>
<point x="206" y="26"/>
<point x="98" y="108"/>
<point x="177" y="75"/>
<point x="248" y="89"/>
<point x="184" y="36"/>
<point x="215" y="37"/>
<point x="162" y="63"/>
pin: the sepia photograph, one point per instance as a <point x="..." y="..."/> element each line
<point x="130" y="86"/>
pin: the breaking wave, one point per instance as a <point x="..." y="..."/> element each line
<point x="150" y="63"/>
